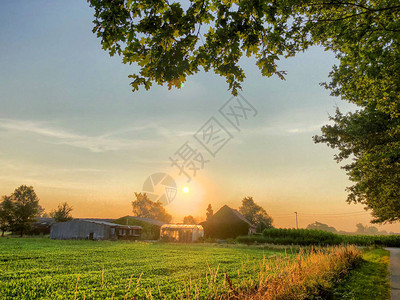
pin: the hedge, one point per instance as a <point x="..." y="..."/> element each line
<point x="305" y="237"/>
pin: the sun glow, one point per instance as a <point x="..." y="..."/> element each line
<point x="185" y="189"/>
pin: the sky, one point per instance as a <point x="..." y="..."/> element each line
<point x="71" y="127"/>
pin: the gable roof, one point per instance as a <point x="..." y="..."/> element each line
<point x="225" y="210"/>
<point x="147" y="220"/>
<point x="239" y="215"/>
<point x="47" y="221"/>
<point x="100" y="222"/>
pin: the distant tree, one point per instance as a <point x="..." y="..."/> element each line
<point x="190" y="220"/>
<point x="209" y="212"/>
<point x="321" y="226"/>
<point x="364" y="229"/>
<point x="144" y="207"/>
<point x="360" y="228"/>
<point x="23" y="208"/>
<point x="6" y="214"/>
<point x="62" y="213"/>
<point x="255" y="214"/>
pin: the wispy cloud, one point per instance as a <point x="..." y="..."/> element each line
<point x="110" y="141"/>
<point x="305" y="128"/>
<point x="32" y="169"/>
<point x="287" y="129"/>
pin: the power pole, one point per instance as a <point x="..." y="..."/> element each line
<point x="297" y="224"/>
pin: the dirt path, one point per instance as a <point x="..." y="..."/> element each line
<point x="395" y="272"/>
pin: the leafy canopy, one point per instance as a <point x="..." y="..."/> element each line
<point x="169" y="42"/>
<point x="62" y="213"/>
<point x="20" y="209"/>
<point x="370" y="139"/>
<point x="190" y="220"/>
<point x="144" y="207"/>
<point x="255" y="214"/>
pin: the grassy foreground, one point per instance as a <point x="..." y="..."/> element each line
<point x="48" y="269"/>
<point x="370" y="280"/>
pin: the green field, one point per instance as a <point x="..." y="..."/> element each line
<point x="39" y="268"/>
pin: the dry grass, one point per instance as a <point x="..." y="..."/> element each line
<point x="309" y="274"/>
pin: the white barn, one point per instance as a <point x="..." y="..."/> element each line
<point x="93" y="230"/>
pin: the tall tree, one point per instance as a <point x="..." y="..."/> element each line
<point x="370" y="140"/>
<point x="255" y="214"/>
<point x="24" y="208"/>
<point x="169" y="43"/>
<point x="209" y="212"/>
<point x="144" y="207"/>
<point x="190" y="220"/>
<point x="62" y="213"/>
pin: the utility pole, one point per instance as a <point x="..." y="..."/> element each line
<point x="297" y="224"/>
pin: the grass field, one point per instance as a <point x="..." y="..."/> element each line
<point x="49" y="269"/>
<point x="40" y="268"/>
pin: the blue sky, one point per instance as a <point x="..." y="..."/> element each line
<point x="71" y="127"/>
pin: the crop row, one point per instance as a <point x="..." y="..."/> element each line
<point x="307" y="237"/>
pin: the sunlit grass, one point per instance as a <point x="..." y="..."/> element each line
<point x="42" y="268"/>
<point x="370" y="280"/>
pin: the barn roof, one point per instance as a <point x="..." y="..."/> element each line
<point x="225" y="211"/>
<point x="147" y="220"/>
<point x="111" y="224"/>
<point x="45" y="221"/>
<point x="240" y="216"/>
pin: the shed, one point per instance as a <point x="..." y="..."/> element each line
<point x="93" y="230"/>
<point x="41" y="226"/>
<point x="150" y="227"/>
<point x="181" y="233"/>
<point x="227" y="223"/>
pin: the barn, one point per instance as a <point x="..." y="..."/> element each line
<point x="93" y="230"/>
<point x="227" y="223"/>
<point x="150" y="227"/>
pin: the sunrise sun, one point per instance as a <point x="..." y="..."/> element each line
<point x="185" y="189"/>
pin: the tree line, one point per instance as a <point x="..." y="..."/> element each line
<point x="360" y="229"/>
<point x="21" y="209"/>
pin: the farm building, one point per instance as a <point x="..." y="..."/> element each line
<point x="227" y="223"/>
<point x="150" y="227"/>
<point x="93" y="230"/>
<point x="181" y="233"/>
<point x="41" y="226"/>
